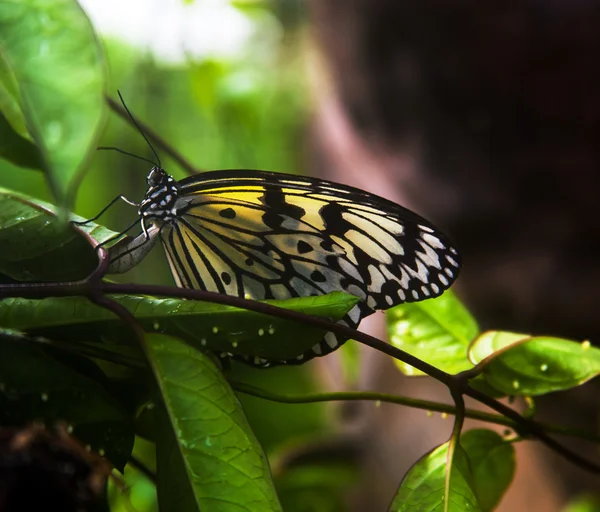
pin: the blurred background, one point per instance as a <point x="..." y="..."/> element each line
<point x="481" y="116"/>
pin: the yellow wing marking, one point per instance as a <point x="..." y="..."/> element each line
<point x="373" y="249"/>
<point x="173" y="266"/>
<point x="248" y="194"/>
<point x="384" y="241"/>
<point x="311" y="209"/>
<point x="388" y="224"/>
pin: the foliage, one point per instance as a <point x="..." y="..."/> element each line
<point x="118" y="363"/>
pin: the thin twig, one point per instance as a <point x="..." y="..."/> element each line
<point x="286" y="314"/>
<point x="80" y="288"/>
<point x="527" y="428"/>
<point x="523" y="425"/>
<point x="416" y="403"/>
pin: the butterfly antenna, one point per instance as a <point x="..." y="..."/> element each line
<point x="112" y="148"/>
<point x="139" y="129"/>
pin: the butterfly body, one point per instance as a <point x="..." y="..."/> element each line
<point x="266" y="235"/>
<point x="160" y="201"/>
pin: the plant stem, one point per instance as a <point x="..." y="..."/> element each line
<point x="415" y="403"/>
<point x="454" y="441"/>
<point x="95" y="290"/>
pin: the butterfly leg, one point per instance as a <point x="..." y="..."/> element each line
<point x="118" y="198"/>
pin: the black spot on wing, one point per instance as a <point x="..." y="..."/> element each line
<point x="228" y="213"/>
<point x="335" y="224"/>
<point x="304" y="247"/>
<point x="277" y="209"/>
<point x="318" y="277"/>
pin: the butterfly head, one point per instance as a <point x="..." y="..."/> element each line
<point x="161" y="196"/>
<point x="157" y="177"/>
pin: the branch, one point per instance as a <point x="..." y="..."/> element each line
<point x="94" y="290"/>
<point x="416" y="403"/>
<point x="527" y="428"/>
<point x="84" y="288"/>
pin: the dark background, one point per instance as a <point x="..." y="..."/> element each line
<point x="484" y="116"/>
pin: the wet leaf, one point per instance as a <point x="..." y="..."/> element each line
<point x="53" y="64"/>
<point x="204" y="325"/>
<point x="437" y="330"/>
<point x="207" y="457"/>
<point x="517" y="364"/>
<point x="423" y="487"/>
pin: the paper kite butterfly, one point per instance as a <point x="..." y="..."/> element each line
<point x="266" y="235"/>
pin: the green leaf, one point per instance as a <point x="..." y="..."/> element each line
<point x="492" y="465"/>
<point x="52" y="55"/>
<point x="437" y="330"/>
<point x="422" y="489"/>
<point x="489" y="343"/>
<point x="517" y="364"/>
<point x="205" y="325"/>
<point x="350" y="359"/>
<point x="42" y="247"/>
<point x="36" y="386"/>
<point x="9" y="101"/>
<point x="207" y="457"/>
<point x="17" y="149"/>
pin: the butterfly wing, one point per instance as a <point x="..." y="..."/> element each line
<point x="268" y="235"/>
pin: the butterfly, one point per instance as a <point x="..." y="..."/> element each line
<point x="267" y="235"/>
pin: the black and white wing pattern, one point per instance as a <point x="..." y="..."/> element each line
<point x="266" y="235"/>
